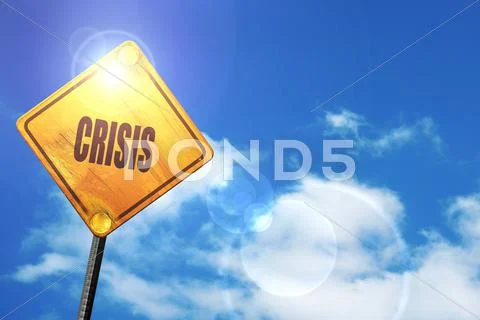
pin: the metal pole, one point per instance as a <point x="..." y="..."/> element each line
<point x="91" y="278"/>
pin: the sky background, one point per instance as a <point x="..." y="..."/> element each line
<point x="255" y="70"/>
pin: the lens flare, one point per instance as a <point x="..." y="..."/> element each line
<point x="295" y="255"/>
<point x="242" y="204"/>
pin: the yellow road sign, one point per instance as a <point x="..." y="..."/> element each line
<point x="114" y="138"/>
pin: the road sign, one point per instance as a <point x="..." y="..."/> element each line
<point x="108" y="138"/>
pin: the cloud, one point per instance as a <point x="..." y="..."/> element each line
<point x="291" y="258"/>
<point x="395" y="138"/>
<point x="464" y="213"/>
<point x="50" y="264"/>
<point x="348" y="124"/>
<point x="145" y="298"/>
<point x="290" y="264"/>
<point x="345" y="121"/>
<point x="167" y="299"/>
<point x="332" y="250"/>
<point x="437" y="281"/>
<point x="403" y="135"/>
<point x="451" y="270"/>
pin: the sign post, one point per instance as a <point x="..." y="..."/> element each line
<point x="91" y="278"/>
<point x="114" y="139"/>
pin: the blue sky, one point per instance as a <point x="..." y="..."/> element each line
<point x="255" y="70"/>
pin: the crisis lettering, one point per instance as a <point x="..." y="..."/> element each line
<point x="104" y="143"/>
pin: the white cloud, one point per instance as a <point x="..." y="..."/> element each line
<point x="144" y="297"/>
<point x="361" y="286"/>
<point x="464" y="212"/>
<point x="297" y="234"/>
<point x="394" y="138"/>
<point x="50" y="264"/>
<point x="359" y="277"/>
<point x="398" y="137"/>
<point x="349" y="124"/>
<point x="345" y="121"/>
<point x="452" y="270"/>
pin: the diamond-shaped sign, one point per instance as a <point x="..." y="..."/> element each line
<point x="114" y="139"/>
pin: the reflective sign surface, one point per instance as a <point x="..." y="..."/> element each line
<point x="114" y="139"/>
